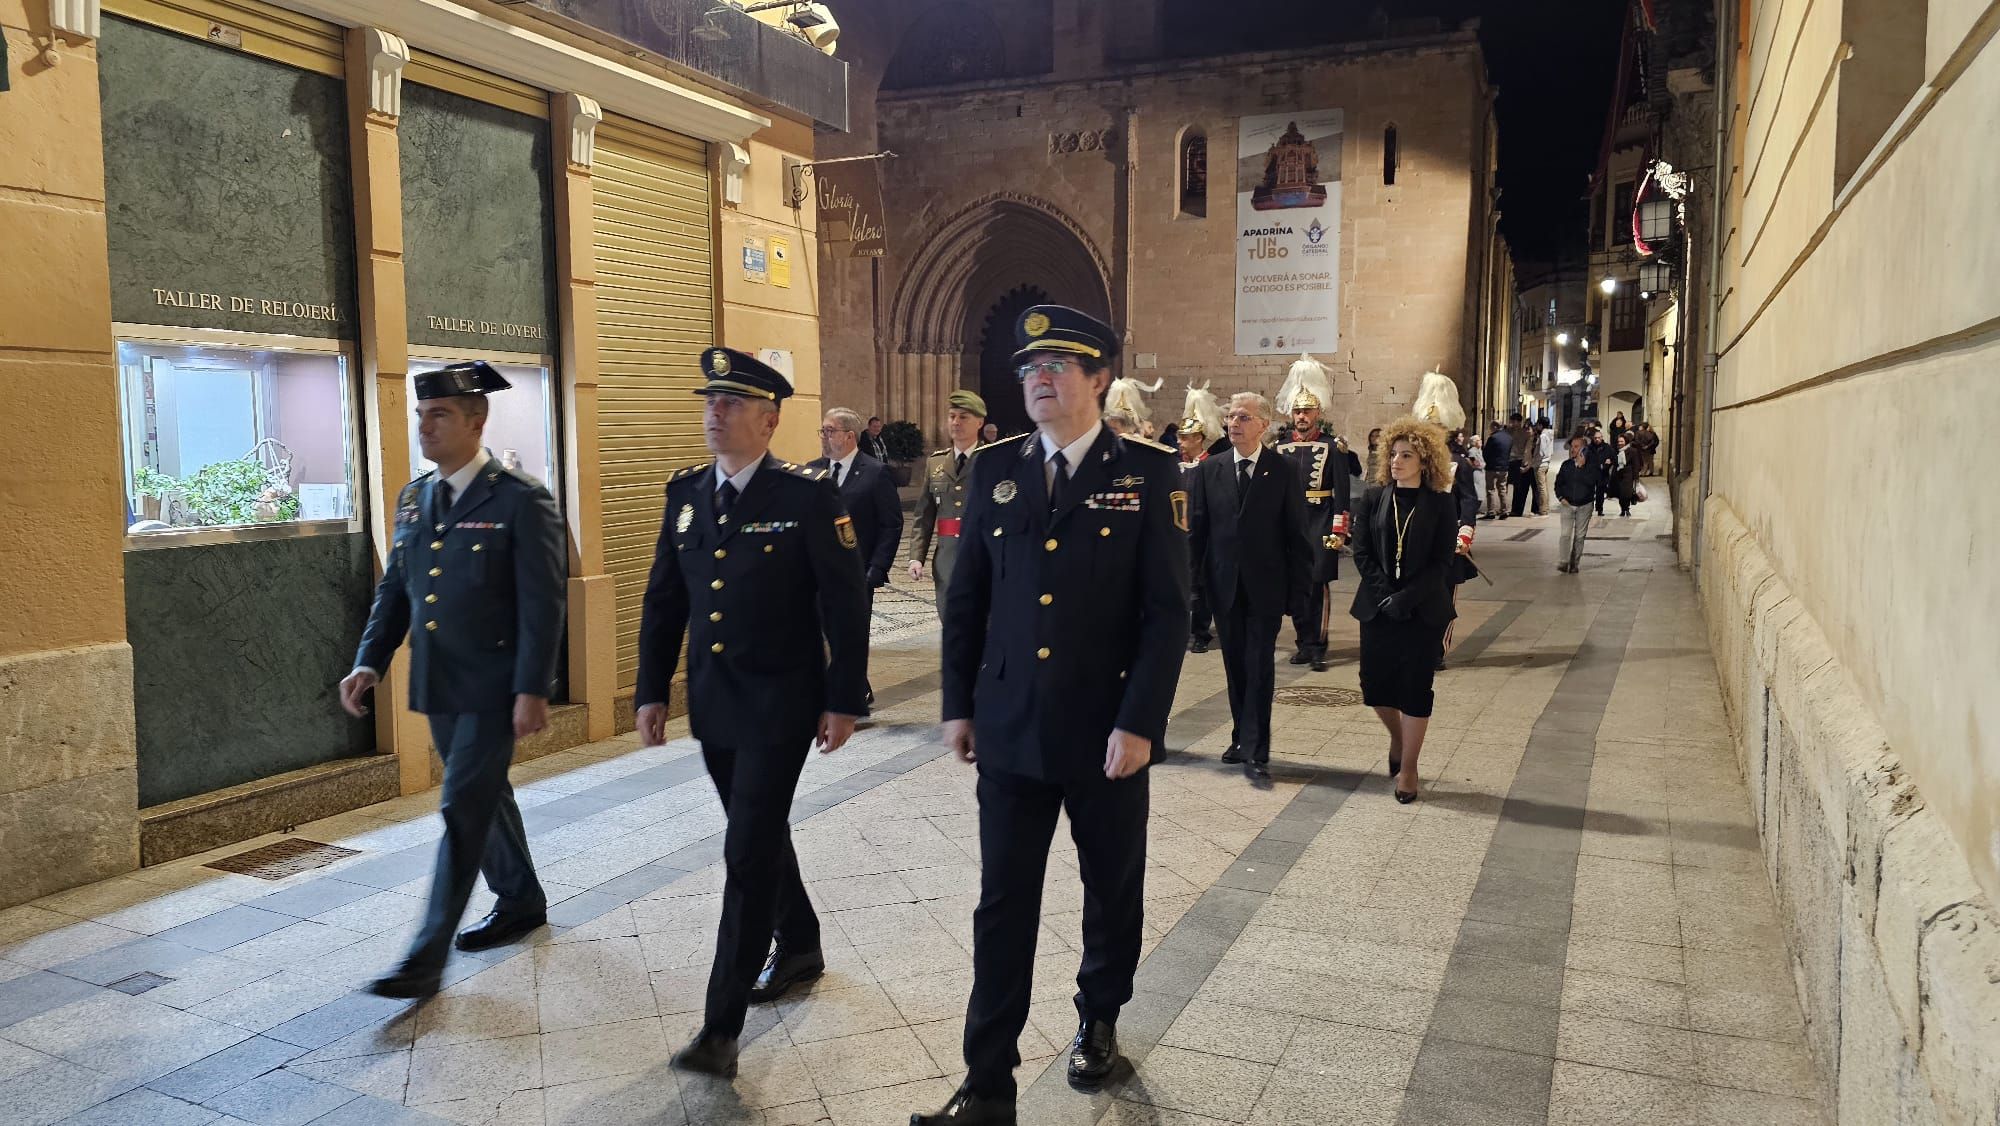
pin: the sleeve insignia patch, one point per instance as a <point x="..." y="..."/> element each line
<point x="1180" y="500"/>
<point x="844" y="528"/>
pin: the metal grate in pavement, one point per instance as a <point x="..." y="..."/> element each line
<point x="1517" y="537"/>
<point x="284" y="858"/>
<point x="139" y="983"/>
<point x="1315" y="697"/>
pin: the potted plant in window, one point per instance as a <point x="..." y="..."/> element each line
<point x="152" y="487"/>
<point x="905" y="442"/>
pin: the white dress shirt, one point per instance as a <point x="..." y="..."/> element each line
<point x="459" y="482"/>
<point x="742" y="478"/>
<point x="1073" y="454"/>
<point x="846" y="465"/>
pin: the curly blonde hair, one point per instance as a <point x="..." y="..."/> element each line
<point x="1427" y="438"/>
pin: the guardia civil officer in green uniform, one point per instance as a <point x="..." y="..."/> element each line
<point x="941" y="512"/>
<point x="1064" y="629"/>
<point x="757" y="569"/>
<point x="478" y="566"/>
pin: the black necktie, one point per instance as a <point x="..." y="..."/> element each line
<point x="1243" y="466"/>
<point x="444" y="497"/>
<point x="958" y="468"/>
<point x="725" y="499"/>
<point x="1057" y="483"/>
<point x="836" y="474"/>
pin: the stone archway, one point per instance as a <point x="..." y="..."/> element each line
<point x="983" y="258"/>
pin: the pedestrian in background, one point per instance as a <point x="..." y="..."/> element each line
<point x="1497" y="455"/>
<point x="1545" y="453"/>
<point x="869" y="495"/>
<point x="1576" y="492"/>
<point x="1527" y="461"/>
<point x="1404" y="544"/>
<point x="1374" y="453"/>
<point x="479" y="553"/>
<point x="1603" y="458"/>
<point x="872" y="441"/>
<point x="941" y="509"/>
<point x="1625" y="475"/>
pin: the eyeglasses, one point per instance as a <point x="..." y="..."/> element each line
<point x="1241" y="416"/>
<point x="825" y="431"/>
<point x="1050" y="368"/>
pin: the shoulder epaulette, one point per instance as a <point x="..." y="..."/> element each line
<point x="941" y="453"/>
<point x="409" y="493"/>
<point x="688" y="471"/>
<point x="1000" y="442"/>
<point x="806" y="471"/>
<point x="1160" y="446"/>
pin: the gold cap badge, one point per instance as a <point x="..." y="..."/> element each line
<point x="1036" y="324"/>
<point x="718" y="362"/>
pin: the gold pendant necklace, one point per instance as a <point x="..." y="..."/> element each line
<point x="1402" y="527"/>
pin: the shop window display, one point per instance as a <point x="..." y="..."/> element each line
<point x="230" y="437"/>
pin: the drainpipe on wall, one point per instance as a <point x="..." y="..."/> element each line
<point x="1718" y="208"/>
<point x="1129" y="266"/>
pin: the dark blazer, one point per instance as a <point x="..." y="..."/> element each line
<point x="1465" y="490"/>
<point x="488" y="580"/>
<point x="1576" y="484"/>
<point x="771" y="603"/>
<point x="1059" y="627"/>
<point x="869" y="494"/>
<point x="1429" y="546"/>
<point x="1254" y="544"/>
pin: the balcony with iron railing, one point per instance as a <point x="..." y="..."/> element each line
<point x="717" y="41"/>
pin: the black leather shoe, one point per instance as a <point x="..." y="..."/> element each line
<point x="1197" y="646"/>
<point x="1093" y="1053"/>
<point x="1300" y="657"/>
<point x="407" y="983"/>
<point x="969" y="1109"/>
<point x="1257" y="771"/>
<point x="1233" y="755"/>
<point x="782" y="971"/>
<point x="709" y="1053"/>
<point x="1319" y="664"/>
<point x="498" y="929"/>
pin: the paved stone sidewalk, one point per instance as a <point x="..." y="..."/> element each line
<point x="1572" y="926"/>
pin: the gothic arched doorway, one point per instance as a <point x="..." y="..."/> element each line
<point x="997" y="383"/>
<point x="956" y="306"/>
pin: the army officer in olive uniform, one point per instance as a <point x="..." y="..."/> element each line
<point x="479" y="558"/>
<point x="1064" y="630"/>
<point x="757" y="569"/>
<point x="941" y="512"/>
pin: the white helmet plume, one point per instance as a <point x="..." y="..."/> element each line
<point x="1124" y="396"/>
<point x="1305" y="386"/>
<point x="1437" y="401"/>
<point x="1201" y="412"/>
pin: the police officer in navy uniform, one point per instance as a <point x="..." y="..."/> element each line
<point x="479" y="566"/>
<point x="1064" y="629"/>
<point x="757" y="568"/>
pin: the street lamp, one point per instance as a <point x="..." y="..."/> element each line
<point x="1608" y="285"/>
<point x="1562" y="339"/>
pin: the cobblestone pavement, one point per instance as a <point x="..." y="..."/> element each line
<point x="1572" y="926"/>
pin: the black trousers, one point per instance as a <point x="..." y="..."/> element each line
<point x="1309" y="621"/>
<point x="1199" y="617"/>
<point x="482" y="831"/>
<point x="1017" y="819"/>
<point x="762" y="895"/>
<point x="1249" y="664"/>
<point x="1524" y="487"/>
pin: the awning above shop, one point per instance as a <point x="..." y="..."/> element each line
<point x="523" y="55"/>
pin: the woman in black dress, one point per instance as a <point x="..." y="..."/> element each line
<point x="1404" y="541"/>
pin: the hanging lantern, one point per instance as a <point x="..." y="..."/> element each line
<point x="1655" y="276"/>
<point x="1656" y="220"/>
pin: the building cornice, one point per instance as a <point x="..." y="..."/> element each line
<point x="523" y="55"/>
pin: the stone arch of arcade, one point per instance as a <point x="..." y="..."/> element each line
<point x="955" y="306"/>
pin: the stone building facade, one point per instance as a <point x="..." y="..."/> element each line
<point x="1070" y="183"/>
<point x="1839" y="544"/>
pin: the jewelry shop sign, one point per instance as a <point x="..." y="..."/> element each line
<point x="1288" y="245"/>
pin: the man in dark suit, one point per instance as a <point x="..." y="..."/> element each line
<point x="759" y="569"/>
<point x="478" y="555"/>
<point x="1064" y="631"/>
<point x="1248" y="539"/>
<point x="869" y="495"/>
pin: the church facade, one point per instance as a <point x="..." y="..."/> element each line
<point x="1226" y="212"/>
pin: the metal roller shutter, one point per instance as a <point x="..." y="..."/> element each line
<point x="655" y="313"/>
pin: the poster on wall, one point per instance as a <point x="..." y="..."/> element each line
<point x="754" y="269"/>
<point x="1288" y="246"/>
